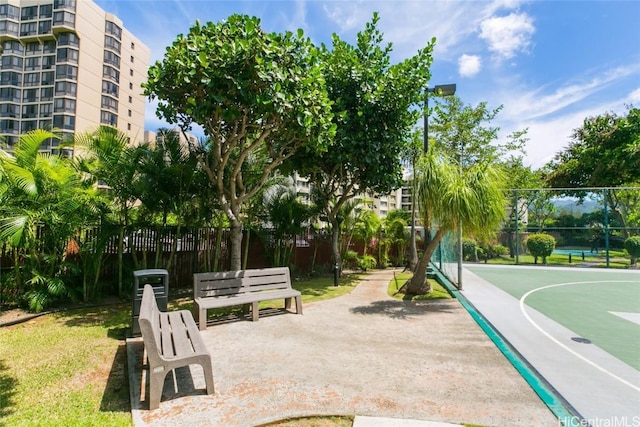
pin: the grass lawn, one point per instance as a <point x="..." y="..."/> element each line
<point x="437" y="291"/>
<point x="69" y="368"/>
<point x="66" y="369"/>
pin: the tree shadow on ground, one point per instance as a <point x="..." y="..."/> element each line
<point x="397" y="309"/>
<point x="115" y="317"/>
<point x="8" y="385"/>
<point x="116" y="392"/>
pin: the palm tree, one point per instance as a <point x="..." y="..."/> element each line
<point x="346" y="218"/>
<point x="396" y="234"/>
<point x="286" y="215"/>
<point x="449" y="195"/>
<point x="367" y="226"/>
<point x="167" y="184"/>
<point x="43" y="204"/>
<point x="109" y="159"/>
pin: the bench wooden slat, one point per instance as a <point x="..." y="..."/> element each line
<point x="181" y="342"/>
<point x="266" y="286"/>
<point x="166" y="337"/>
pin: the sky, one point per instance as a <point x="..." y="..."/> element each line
<point x="549" y="64"/>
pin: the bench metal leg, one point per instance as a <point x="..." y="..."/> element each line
<point x="202" y="319"/>
<point x="287" y="304"/>
<point x="156" y="384"/>
<point x="208" y="374"/>
<point x="201" y="315"/>
<point x="299" y="305"/>
<point x="255" y="312"/>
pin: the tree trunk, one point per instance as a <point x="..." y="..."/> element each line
<point x="418" y="284"/>
<point x="413" y="250"/>
<point x="218" y="248"/>
<point x="120" y="260"/>
<point x="236" y="245"/>
<point x="616" y="207"/>
<point x="246" y="249"/>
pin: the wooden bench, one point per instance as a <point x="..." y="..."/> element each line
<point x="242" y="287"/>
<point x="172" y="340"/>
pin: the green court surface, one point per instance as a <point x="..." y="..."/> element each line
<point x="602" y="306"/>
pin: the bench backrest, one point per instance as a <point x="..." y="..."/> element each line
<point x="149" y="321"/>
<point x="241" y="281"/>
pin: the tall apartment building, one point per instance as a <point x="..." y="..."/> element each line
<point x="70" y="66"/>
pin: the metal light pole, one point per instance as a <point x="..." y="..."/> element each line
<point x="437" y="90"/>
<point x="460" y="246"/>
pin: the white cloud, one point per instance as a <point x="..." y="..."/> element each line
<point x="468" y="65"/>
<point x="550" y="134"/>
<point x="298" y="17"/>
<point x="410" y="25"/>
<point x="508" y="35"/>
<point x="348" y="15"/>
<point x="541" y="102"/>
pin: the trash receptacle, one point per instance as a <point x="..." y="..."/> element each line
<point x="159" y="280"/>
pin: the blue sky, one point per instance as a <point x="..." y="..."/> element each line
<point x="550" y="64"/>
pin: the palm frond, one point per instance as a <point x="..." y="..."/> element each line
<point x="27" y="149"/>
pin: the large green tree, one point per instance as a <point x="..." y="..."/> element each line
<point x="413" y="151"/>
<point x="465" y="132"/>
<point x="374" y="110"/>
<point x="250" y="91"/>
<point x="604" y="152"/>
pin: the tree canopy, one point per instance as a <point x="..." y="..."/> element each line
<point x="251" y="92"/>
<point x="463" y="131"/>
<point x="374" y="112"/>
<point x="604" y="152"/>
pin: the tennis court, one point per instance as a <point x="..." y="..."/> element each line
<point x="578" y="329"/>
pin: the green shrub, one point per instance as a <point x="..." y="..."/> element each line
<point x="469" y="250"/>
<point x="490" y="251"/>
<point x="367" y="262"/>
<point x="540" y="245"/>
<point x="632" y="245"/>
<point x="350" y="260"/>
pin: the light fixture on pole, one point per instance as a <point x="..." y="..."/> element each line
<point x="437" y="90"/>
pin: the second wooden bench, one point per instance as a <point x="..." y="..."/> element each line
<point x="242" y="287"/>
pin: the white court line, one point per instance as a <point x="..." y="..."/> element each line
<point x="578" y="355"/>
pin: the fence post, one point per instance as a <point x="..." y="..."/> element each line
<point x="606" y="225"/>
<point x="515" y="216"/>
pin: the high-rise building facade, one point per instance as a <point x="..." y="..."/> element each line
<point x="70" y="66"/>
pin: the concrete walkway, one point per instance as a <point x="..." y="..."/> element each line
<point x="360" y="354"/>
